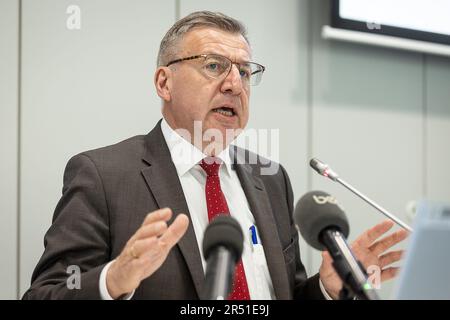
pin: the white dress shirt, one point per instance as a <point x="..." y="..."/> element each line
<point x="186" y="159"/>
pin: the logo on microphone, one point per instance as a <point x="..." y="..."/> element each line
<point x="325" y="199"/>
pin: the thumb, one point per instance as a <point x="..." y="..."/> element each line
<point x="326" y="257"/>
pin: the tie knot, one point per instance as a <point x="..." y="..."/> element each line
<point x="211" y="166"/>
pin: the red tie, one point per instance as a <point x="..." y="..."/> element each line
<point x="217" y="204"/>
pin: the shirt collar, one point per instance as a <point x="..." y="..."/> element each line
<point x="185" y="155"/>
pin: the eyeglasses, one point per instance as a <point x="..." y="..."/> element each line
<point x="216" y="66"/>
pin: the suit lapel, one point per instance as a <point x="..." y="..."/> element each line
<point x="162" y="179"/>
<point x="258" y="200"/>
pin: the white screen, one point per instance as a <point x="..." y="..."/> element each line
<point x="423" y="15"/>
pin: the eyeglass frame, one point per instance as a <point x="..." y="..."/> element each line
<point x="263" y="68"/>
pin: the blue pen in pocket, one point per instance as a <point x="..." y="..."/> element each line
<point x="253" y="235"/>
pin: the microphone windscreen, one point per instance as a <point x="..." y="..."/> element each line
<point x="223" y="231"/>
<point x="317" y="211"/>
<point x="314" y="163"/>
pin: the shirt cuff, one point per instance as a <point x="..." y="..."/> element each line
<point x="104" y="294"/>
<point x="324" y="292"/>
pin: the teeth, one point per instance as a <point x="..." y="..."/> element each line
<point x="225" y="112"/>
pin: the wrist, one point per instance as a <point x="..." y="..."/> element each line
<point x="328" y="294"/>
<point x="112" y="284"/>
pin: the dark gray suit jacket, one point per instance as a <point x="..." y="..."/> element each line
<point x="108" y="192"/>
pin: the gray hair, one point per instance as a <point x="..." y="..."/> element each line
<point x="216" y="20"/>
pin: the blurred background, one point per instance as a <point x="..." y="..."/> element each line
<point x="78" y="74"/>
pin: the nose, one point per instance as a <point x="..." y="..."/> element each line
<point x="232" y="84"/>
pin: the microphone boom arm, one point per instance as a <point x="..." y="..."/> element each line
<point x="324" y="170"/>
<point x="375" y="205"/>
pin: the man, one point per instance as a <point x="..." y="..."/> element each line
<point x="132" y="215"/>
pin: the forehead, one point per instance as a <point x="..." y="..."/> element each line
<point x="209" y="40"/>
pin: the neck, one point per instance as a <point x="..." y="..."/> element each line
<point x="209" y="145"/>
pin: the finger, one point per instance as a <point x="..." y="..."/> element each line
<point x="384" y="244"/>
<point x="368" y="237"/>
<point x="326" y="268"/>
<point x="175" y="231"/>
<point x="154" y="229"/>
<point x="389" y="273"/>
<point x="326" y="256"/>
<point x="140" y="247"/>
<point x="162" y="214"/>
<point x="390" y="258"/>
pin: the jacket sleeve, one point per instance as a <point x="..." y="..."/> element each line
<point x="304" y="288"/>
<point x="77" y="245"/>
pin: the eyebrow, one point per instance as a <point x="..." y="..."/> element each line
<point x="219" y="54"/>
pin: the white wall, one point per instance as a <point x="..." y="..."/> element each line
<point x="9" y="40"/>
<point x="381" y="117"/>
<point x="437" y="128"/>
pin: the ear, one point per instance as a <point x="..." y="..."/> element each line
<point x="163" y="83"/>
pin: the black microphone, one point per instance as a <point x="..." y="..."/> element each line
<point x="324" y="226"/>
<point x="222" y="248"/>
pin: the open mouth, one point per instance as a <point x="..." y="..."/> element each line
<point x="228" y="112"/>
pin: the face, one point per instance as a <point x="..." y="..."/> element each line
<point x="189" y="95"/>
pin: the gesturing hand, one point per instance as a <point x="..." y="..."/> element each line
<point x="145" y="252"/>
<point x="370" y="252"/>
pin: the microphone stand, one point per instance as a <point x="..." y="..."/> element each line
<point x="373" y="204"/>
<point x="324" y="170"/>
